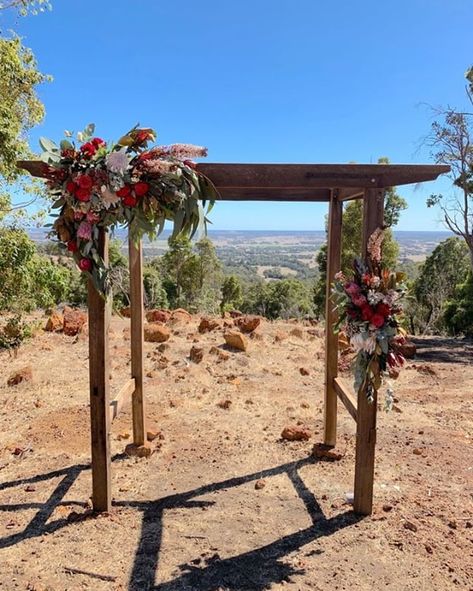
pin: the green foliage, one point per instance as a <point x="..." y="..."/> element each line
<point x="458" y="316"/>
<point x="155" y="294"/>
<point x="20" y="110"/>
<point x="288" y="298"/>
<point x="26" y="7"/>
<point x="436" y="283"/>
<point x="232" y="295"/>
<point x="14" y="332"/>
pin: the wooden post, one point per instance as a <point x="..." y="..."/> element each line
<point x="334" y="249"/>
<point x="373" y="217"/>
<point x="137" y="319"/>
<point x="99" y="318"/>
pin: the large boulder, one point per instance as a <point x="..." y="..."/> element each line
<point x="156" y="332"/>
<point x="158" y="316"/>
<point x="408" y="349"/>
<point x="248" y="323"/>
<point x="180" y="316"/>
<point x="236" y="340"/>
<point x="74" y="321"/>
<point x="55" y="322"/>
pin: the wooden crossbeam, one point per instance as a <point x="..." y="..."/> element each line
<point x="344" y="393"/>
<point x="122" y="397"/>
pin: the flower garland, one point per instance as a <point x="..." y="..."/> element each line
<point x="370" y="306"/>
<point x="95" y="185"/>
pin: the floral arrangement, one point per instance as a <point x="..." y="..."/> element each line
<point x="98" y="185"/>
<point x="370" y="306"/>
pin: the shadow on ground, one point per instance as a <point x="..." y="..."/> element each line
<point x="254" y="570"/>
<point x="444" y="350"/>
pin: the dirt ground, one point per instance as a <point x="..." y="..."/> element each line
<point x="192" y="517"/>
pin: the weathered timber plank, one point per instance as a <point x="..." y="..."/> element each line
<point x="345" y="395"/>
<point x="122" y="397"/>
<point x="137" y="341"/>
<point x="99" y="370"/>
<point x="373" y="218"/>
<point x="331" y="316"/>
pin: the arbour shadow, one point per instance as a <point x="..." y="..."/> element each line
<point x="254" y="570"/>
<point x="444" y="350"/>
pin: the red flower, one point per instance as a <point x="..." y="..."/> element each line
<point x="383" y="309"/>
<point x="141" y="189"/>
<point x="367" y="312"/>
<point x="142" y="135"/>
<point x="97" y="142"/>
<point x="377" y="320"/>
<point x="124" y="191"/>
<point x="68" y="153"/>
<point x="71" y="187"/>
<point x="72" y="246"/>
<point x="145" y="156"/>
<point x="85" y="264"/>
<point x="83" y="194"/>
<point x="84" y="181"/>
<point x="129" y="201"/>
<point x="88" y="149"/>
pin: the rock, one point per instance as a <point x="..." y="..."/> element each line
<point x="408" y="349"/>
<point x="25" y="374"/>
<point x="410" y="526"/>
<point x="163" y="347"/>
<point x="259" y="484"/>
<point x="208" y="324"/>
<point x="304" y="371"/>
<point x="197" y="354"/>
<point x="236" y="340"/>
<point x="126" y="312"/>
<point x="235" y="313"/>
<point x="225" y="404"/>
<point x="156" y="333"/>
<point x="74" y="321"/>
<point x="280" y="336"/>
<point x="222" y="355"/>
<point x="138" y="451"/>
<point x="152" y="434"/>
<point x="248" y="323"/>
<point x="124" y="435"/>
<point x="326" y="452"/>
<point x="416" y="451"/>
<point x="158" y="316"/>
<point x="179" y="316"/>
<point x="296" y="433"/>
<point x="387" y="508"/>
<point x="55" y="322"/>
<point x="297" y="332"/>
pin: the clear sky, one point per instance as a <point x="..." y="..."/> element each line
<point x="259" y="81"/>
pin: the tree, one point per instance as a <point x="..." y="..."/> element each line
<point x="209" y="271"/>
<point x="20" y="110"/>
<point x="436" y="284"/>
<point x="232" y="295"/>
<point x="458" y="316"/>
<point x="352" y="232"/>
<point x="451" y="142"/>
<point x="287" y="298"/>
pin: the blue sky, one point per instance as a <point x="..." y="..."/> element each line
<point x="259" y="81"/>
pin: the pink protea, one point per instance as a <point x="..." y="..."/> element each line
<point x="184" y="151"/>
<point x="93" y="217"/>
<point x="157" y="166"/>
<point x="359" y="300"/>
<point x="352" y="288"/>
<point x="84" y="231"/>
<point x="374" y="245"/>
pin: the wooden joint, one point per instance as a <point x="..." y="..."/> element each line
<point x="123" y="396"/>
<point x="345" y="395"/>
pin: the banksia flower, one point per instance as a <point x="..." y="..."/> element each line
<point x="183" y="151"/>
<point x="374" y="245"/>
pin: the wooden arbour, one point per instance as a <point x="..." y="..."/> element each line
<point x="332" y="183"/>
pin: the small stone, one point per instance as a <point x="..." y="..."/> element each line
<point x="326" y="452"/>
<point x="416" y="451"/>
<point x="124" y="435"/>
<point x="163" y="347"/>
<point x="208" y="324"/>
<point x="25" y="374"/>
<point x="156" y="333"/>
<point x="196" y="354"/>
<point x="152" y="434"/>
<point x="138" y="451"/>
<point x="452" y="524"/>
<point x="73" y="321"/>
<point x="225" y="404"/>
<point x="236" y="340"/>
<point x="55" y="323"/>
<point x="387" y="508"/>
<point x="248" y="323"/>
<point x="30" y="488"/>
<point x="410" y="526"/>
<point x="428" y="548"/>
<point x="304" y="371"/>
<point x="296" y="433"/>
<point x="259" y="484"/>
